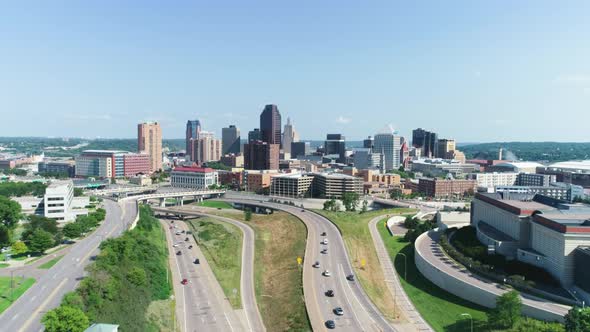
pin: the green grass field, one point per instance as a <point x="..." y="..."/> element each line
<point x="215" y="204"/>
<point x="359" y="244"/>
<point x="221" y="243"/>
<point x="439" y="308"/>
<point x="20" y="286"/>
<point x="47" y="265"/>
<point x="3" y="265"/>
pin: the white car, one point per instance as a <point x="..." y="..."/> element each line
<point x="325" y="241"/>
<point x="327" y="273"/>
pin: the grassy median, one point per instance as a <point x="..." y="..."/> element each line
<point x="8" y="296"/>
<point x="221" y="244"/>
<point x="359" y="244"/>
<point x="215" y="204"/>
<point x="49" y="264"/>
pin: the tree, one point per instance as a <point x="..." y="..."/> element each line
<point x="247" y="214"/>
<point x="65" y="319"/>
<point x="507" y="311"/>
<point x="40" y="240"/>
<point x="72" y="230"/>
<point x="78" y="192"/>
<point x="10" y="212"/>
<point x="19" y="247"/>
<point x="577" y="320"/>
<point x="329" y="204"/>
<point x="5" y="235"/>
<point x="365" y="206"/>
<point x="350" y="201"/>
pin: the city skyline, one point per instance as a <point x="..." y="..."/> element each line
<point x="350" y="68"/>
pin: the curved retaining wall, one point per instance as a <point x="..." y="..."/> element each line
<point x="471" y="292"/>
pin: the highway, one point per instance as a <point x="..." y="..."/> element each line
<point x="201" y="304"/>
<point x="248" y="293"/>
<point x="24" y="315"/>
<point x="359" y="312"/>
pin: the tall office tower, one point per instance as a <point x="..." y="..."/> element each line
<point x="418" y="137"/>
<point x="149" y="140"/>
<point x="430" y="144"/>
<point x="193" y="129"/>
<point x="254" y="135"/>
<point x="300" y="149"/>
<point x="230" y="138"/>
<point x="389" y="145"/>
<point x="260" y="155"/>
<point x="368" y="142"/>
<point x="209" y="149"/>
<point x="445" y="146"/>
<point x="335" y="144"/>
<point x="289" y="136"/>
<point x="270" y="124"/>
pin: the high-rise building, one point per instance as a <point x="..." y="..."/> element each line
<point x="149" y="140"/>
<point x="389" y="145"/>
<point x="259" y="155"/>
<point x="368" y="142"/>
<point x="254" y="135"/>
<point x="445" y="146"/>
<point x="193" y="129"/>
<point x="418" y="137"/>
<point x="206" y="148"/>
<point x="336" y="144"/>
<point x="365" y="158"/>
<point x="289" y="136"/>
<point x="230" y="138"/>
<point x="270" y="124"/>
<point x="300" y="149"/>
<point x="427" y="141"/>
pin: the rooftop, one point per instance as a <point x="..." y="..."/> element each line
<point x="193" y="169"/>
<point x="583" y="165"/>
<point x="104" y="151"/>
<point x="59" y="184"/>
<point x="519" y="164"/>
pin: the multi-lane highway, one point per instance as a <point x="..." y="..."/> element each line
<point x="359" y="312"/>
<point x="201" y="304"/>
<point x="25" y="314"/>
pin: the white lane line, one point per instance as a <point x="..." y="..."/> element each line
<point x="350" y="304"/>
<point x="183" y="292"/>
<point x="357" y="300"/>
<point x="230" y="326"/>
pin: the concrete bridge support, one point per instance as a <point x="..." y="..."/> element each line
<point x="162" y="202"/>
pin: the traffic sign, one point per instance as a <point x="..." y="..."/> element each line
<point x="299" y="260"/>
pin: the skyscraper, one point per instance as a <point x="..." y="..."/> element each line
<point x="368" y="142"/>
<point x="426" y="140"/>
<point x="445" y="146"/>
<point x="289" y="136"/>
<point x="270" y="124"/>
<point x="230" y="138"/>
<point x="193" y="129"/>
<point x="206" y="148"/>
<point x="260" y="155"/>
<point x="149" y="140"/>
<point x="418" y="137"/>
<point x="389" y="145"/>
<point x="254" y="135"/>
<point x="335" y="144"/>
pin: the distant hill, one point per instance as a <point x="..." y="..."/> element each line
<point x="530" y="151"/>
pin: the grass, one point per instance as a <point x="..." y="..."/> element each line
<point x="162" y="314"/>
<point x="438" y="307"/>
<point x="280" y="239"/>
<point x="20" y="286"/>
<point x="221" y="244"/>
<point x="215" y="204"/>
<point x="359" y="243"/>
<point x="3" y="265"/>
<point x="49" y="264"/>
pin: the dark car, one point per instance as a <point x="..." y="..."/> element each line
<point x="183" y="231"/>
<point x="323" y="233"/>
<point x="186" y="239"/>
<point x="316" y="264"/>
<point x="178" y="253"/>
<point x="197" y="261"/>
<point x="329" y="293"/>
<point x="350" y="277"/>
<point x="302" y="210"/>
<point x="338" y="311"/>
<point x="330" y="324"/>
<point x="190" y="247"/>
<point x="172" y="221"/>
<point x="324" y="251"/>
<point x="184" y="281"/>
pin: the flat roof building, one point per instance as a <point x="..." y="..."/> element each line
<point x="198" y="178"/>
<point x="295" y="185"/>
<point x="335" y="185"/>
<point x="440" y="188"/>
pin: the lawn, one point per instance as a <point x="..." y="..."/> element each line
<point x="359" y="243"/>
<point x="439" y="308"/>
<point x="221" y="244"/>
<point x="215" y="204"/>
<point x="20" y="286"/>
<point x="3" y="265"/>
<point x="47" y="265"/>
<point x="162" y="314"/>
<point x="280" y="239"/>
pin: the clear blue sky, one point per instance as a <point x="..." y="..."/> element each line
<point x="473" y="70"/>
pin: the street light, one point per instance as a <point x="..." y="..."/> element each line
<point x="470" y="318"/>
<point x="405" y="265"/>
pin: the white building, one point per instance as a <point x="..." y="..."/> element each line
<point x="198" y="178"/>
<point x="489" y="181"/>
<point x="389" y="144"/>
<point x="289" y="136"/>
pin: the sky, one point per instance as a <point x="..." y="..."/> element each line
<point x="476" y="71"/>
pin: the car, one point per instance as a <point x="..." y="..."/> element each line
<point x="324" y="251"/>
<point x="177" y="233"/>
<point x="327" y="273"/>
<point x="175" y="245"/>
<point x="197" y="261"/>
<point x="171" y="227"/>
<point x="186" y="239"/>
<point x="329" y="293"/>
<point x="172" y="221"/>
<point x="338" y="311"/>
<point x="330" y="324"/>
<point x="302" y="210"/>
<point x="316" y="264"/>
<point x="183" y="231"/>
<point x="184" y="281"/>
<point x="190" y="247"/>
<point x="178" y="253"/>
<point x="323" y="234"/>
<point x="350" y="277"/>
<point x="325" y="241"/>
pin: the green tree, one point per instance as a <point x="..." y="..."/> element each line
<point x="72" y="230"/>
<point x="40" y="240"/>
<point x="65" y="319"/>
<point x="507" y="311"/>
<point x="19" y="247"/>
<point x="577" y="320"/>
<point x="365" y="206"/>
<point x="329" y="204"/>
<point x="350" y="201"/>
<point x="10" y="212"/>
<point x="78" y="192"/>
<point x="5" y="235"/>
<point x="247" y="214"/>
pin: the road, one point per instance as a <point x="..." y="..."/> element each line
<point x="359" y="312"/>
<point x="201" y="304"/>
<point x="24" y="315"/>
<point x="416" y="322"/>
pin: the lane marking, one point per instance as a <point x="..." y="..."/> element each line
<point x="40" y="308"/>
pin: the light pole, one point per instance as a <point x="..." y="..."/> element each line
<point x="405" y="265"/>
<point x="11" y="286"/>
<point x="470" y="318"/>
